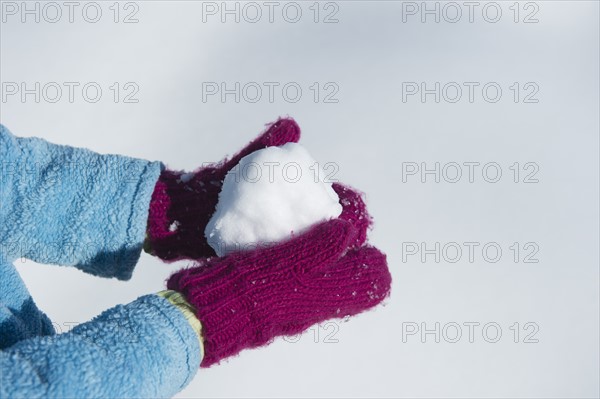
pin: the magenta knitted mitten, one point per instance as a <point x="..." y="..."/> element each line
<point x="246" y="299"/>
<point x="183" y="203"/>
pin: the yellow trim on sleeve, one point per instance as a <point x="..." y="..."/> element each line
<point x="188" y="311"/>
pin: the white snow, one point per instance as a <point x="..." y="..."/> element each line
<point x="269" y="195"/>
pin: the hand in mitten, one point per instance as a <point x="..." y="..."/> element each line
<point x="182" y="203"/>
<point x="246" y="299"/>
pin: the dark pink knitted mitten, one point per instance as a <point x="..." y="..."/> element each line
<point x="182" y="203"/>
<point x="246" y="299"/>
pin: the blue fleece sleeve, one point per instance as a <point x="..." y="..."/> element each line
<point x="145" y="349"/>
<point x="20" y="318"/>
<point x="71" y="206"/>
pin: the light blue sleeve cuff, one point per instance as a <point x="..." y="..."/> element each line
<point x="145" y="349"/>
<point x="73" y="207"/>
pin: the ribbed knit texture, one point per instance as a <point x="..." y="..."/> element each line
<point x="247" y="299"/>
<point x="183" y="203"/>
<point x="354" y="210"/>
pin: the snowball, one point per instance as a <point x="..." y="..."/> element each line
<point x="269" y="195"/>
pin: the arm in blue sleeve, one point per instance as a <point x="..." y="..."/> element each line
<point x="144" y="349"/>
<point x="71" y="206"/>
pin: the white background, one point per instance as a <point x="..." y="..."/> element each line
<point x="174" y="48"/>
